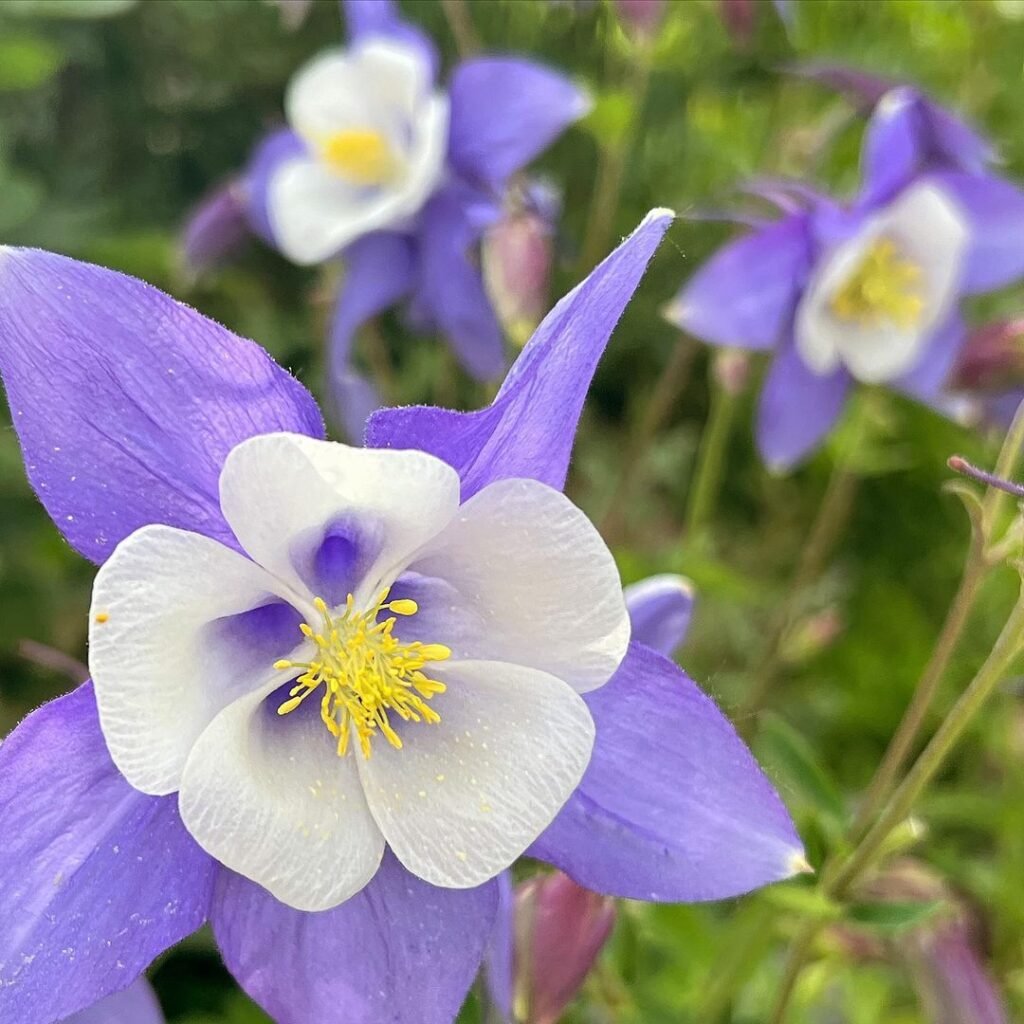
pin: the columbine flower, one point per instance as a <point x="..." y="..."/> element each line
<point x="469" y="670"/>
<point x="866" y="293"/>
<point x="402" y="178"/>
<point x="135" y="1004"/>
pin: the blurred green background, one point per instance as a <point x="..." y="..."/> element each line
<point x="117" y="116"/>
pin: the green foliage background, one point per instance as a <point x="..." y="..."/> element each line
<point x="116" y="116"/>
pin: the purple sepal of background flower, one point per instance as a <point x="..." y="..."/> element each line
<point x="660" y="609"/>
<point x="450" y="288"/>
<point x="504" y="112"/>
<point x="908" y="135"/>
<point x="126" y="402"/>
<point x="797" y="408"/>
<point x="927" y="381"/>
<point x="745" y="294"/>
<point x="995" y="213"/>
<point x="379" y="271"/>
<point x="274" y="148"/>
<point x="134" y="1005"/>
<point x="673" y="806"/>
<point x="216" y="228"/>
<point x="528" y="429"/>
<point x="96" y="878"/>
<point x="400" y="950"/>
<point x="367" y="18"/>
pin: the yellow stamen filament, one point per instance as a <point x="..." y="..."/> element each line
<point x="361" y="155"/>
<point x="884" y="287"/>
<point x="366" y="672"/>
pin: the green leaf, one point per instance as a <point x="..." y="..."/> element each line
<point x="894" y="916"/>
<point x="807" y="901"/>
<point x="610" y="118"/>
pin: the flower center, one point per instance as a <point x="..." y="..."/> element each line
<point x="362" y="155"/>
<point x="885" y="286"/>
<point x="366" y="673"/>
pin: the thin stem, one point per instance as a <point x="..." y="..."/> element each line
<point x="707" y="477"/>
<point x="829" y="521"/>
<point x="671" y="384"/>
<point x="611" y="169"/>
<point x="456" y="12"/>
<point x="1007" y="648"/>
<point x="795" y="959"/>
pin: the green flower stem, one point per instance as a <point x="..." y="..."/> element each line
<point x="707" y="476"/>
<point x="670" y="386"/>
<point x="976" y="569"/>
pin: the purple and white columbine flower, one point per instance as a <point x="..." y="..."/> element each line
<point x="401" y="178"/>
<point x="464" y="689"/>
<point x="867" y="293"/>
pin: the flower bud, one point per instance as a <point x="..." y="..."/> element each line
<point x="992" y="361"/>
<point x="560" y="930"/>
<point x="641" y="18"/>
<point x="215" y="229"/>
<point x="517" y="257"/>
<point x="659" y="609"/>
<point x="731" y="368"/>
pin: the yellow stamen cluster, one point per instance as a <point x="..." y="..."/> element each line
<point x="885" y="286"/>
<point x="361" y="155"/>
<point x="366" y="673"/>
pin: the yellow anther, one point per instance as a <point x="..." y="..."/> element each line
<point x="884" y="287"/>
<point x="362" y="155"/>
<point x="366" y="673"/>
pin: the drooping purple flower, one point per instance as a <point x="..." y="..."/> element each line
<point x="868" y="292"/>
<point x="402" y="178"/>
<point x="216" y="228"/>
<point x="155" y="435"/>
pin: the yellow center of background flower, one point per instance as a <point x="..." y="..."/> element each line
<point x="884" y="287"/>
<point x="362" y="155"/>
<point x="366" y="672"/>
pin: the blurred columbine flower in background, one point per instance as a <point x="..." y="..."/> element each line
<point x="402" y="178"/>
<point x="150" y="438"/>
<point x="867" y="292"/>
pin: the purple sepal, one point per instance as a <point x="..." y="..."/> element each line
<point x="379" y="271"/>
<point x="367" y="18"/>
<point x="928" y="380"/>
<point x="126" y="402"/>
<point x="272" y="150"/>
<point x="134" y="1005"/>
<point x="995" y="212"/>
<point x="451" y="288"/>
<point x="745" y="294"/>
<point x="215" y="229"/>
<point x="400" y="951"/>
<point x="504" y="112"/>
<point x="96" y="879"/>
<point x="797" y="409"/>
<point x="673" y="807"/>
<point x="499" y="966"/>
<point x="660" y="609"/>
<point x="528" y="430"/>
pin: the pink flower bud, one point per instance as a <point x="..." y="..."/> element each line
<point x="642" y="18"/>
<point x="560" y="930"/>
<point x="731" y="368"/>
<point x="516" y="257"/>
<point x="993" y="359"/>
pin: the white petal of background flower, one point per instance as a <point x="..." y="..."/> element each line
<point x="380" y="87"/>
<point x="932" y="234"/>
<point x="279" y="492"/>
<point x="463" y="798"/>
<point x="161" y="672"/>
<point x="268" y="796"/>
<point x="533" y="572"/>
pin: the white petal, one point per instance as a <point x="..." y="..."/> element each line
<point x="283" y="493"/>
<point x="931" y="233"/>
<point x="161" y="651"/>
<point x="529" y="570"/>
<point x="346" y="89"/>
<point x="268" y="796"/>
<point x="463" y="798"/>
<point x="314" y="212"/>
